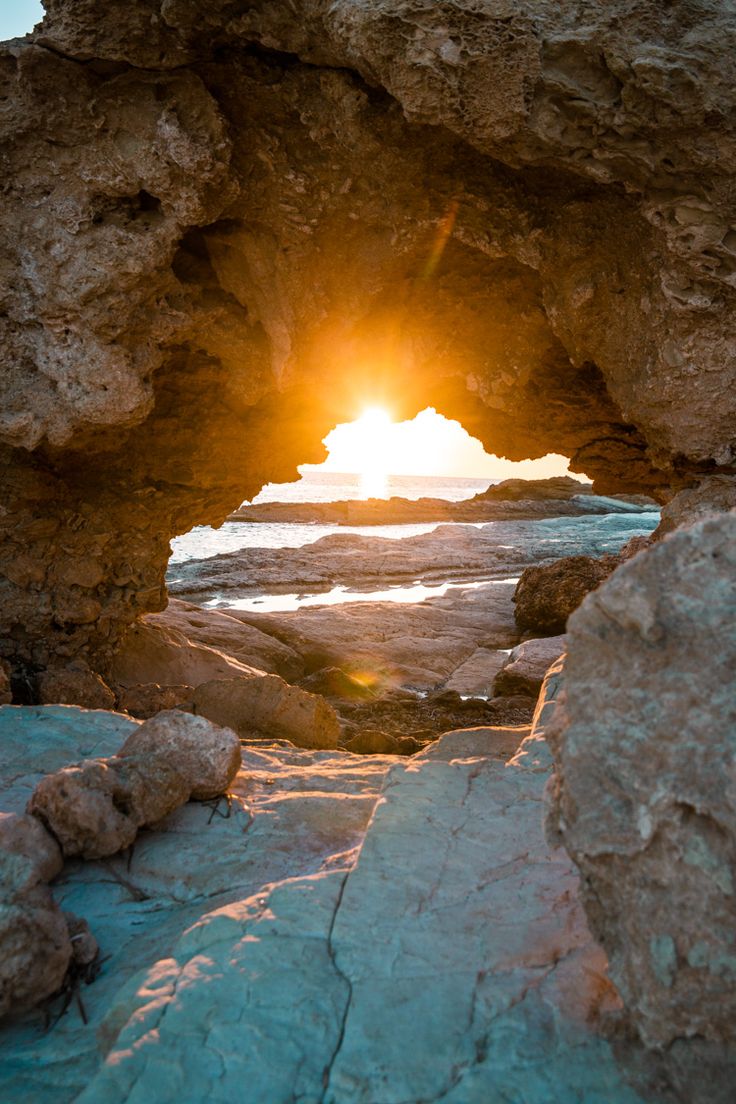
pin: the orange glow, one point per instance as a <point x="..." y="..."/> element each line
<point x="375" y="447"/>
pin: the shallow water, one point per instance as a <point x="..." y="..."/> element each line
<point x="341" y="595"/>
<point x="203" y="542"/>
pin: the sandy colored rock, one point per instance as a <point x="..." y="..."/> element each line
<point x="546" y="596"/>
<point x="269" y="706"/>
<point x="74" y="685"/>
<point x="158" y="653"/>
<point x="35" y="949"/>
<point x="26" y="836"/>
<point x="645" y="760"/>
<point x="332" y="682"/>
<point x="476" y="674"/>
<point x="713" y="495"/>
<point x="146" y="701"/>
<point x="95" y="808"/>
<point x="495" y="742"/>
<point x="206" y="755"/>
<point x="526" y="666"/>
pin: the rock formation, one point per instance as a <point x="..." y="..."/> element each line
<point x="645" y="769"/>
<point x="224" y="232"/>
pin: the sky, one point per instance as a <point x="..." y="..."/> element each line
<point x="18" y="17"/>
<point x="429" y="444"/>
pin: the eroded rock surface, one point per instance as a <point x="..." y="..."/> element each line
<point x="644" y="795"/>
<point x="268" y="706"/>
<point x="546" y="596"/>
<point x="242" y="231"/>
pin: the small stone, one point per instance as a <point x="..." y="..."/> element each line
<point x="528" y="663"/>
<point x="95" y="808"/>
<point x="205" y="754"/>
<point x="149" y="699"/>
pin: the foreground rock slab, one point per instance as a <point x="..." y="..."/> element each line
<point x="645" y="796"/>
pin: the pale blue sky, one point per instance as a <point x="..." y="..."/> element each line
<point x="17" y="17"/>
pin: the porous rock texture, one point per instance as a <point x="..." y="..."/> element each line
<point x="35" y="948"/>
<point x="545" y="596"/>
<point x="645" y="797"/>
<point x="227" y="228"/>
<point x="207" y="755"/>
<point x="96" y="808"/>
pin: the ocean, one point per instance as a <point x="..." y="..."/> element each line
<point x="204" y="541"/>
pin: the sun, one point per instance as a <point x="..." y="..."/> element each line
<point x="369" y="444"/>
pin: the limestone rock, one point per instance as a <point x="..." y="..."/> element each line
<point x="333" y="682"/>
<point x="95" y="808"/>
<point x="475" y="675"/>
<point x="546" y="596"/>
<point x="269" y="706"/>
<point x="26" y="836"/>
<point x="216" y="629"/>
<point x="146" y="701"/>
<point x="373" y="742"/>
<point x="35" y="949"/>
<point x="158" y="653"/>
<point x="74" y="685"/>
<point x="205" y="755"/>
<point x="713" y="495"/>
<point x="526" y="666"/>
<point x="85" y="948"/>
<point x="645" y="755"/>
<point x="495" y="742"/>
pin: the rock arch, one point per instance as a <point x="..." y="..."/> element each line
<point x="221" y="225"/>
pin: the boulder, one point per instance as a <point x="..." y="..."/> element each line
<point x="644" y="741"/>
<point x="35" y="949"/>
<point x="269" y="706"/>
<point x="526" y="666"/>
<point x="372" y="742"/>
<point x="217" y="629"/>
<point x="96" y="807"/>
<point x="155" y="653"/>
<point x="26" y="836"/>
<point x="713" y="495"/>
<point x="546" y="596"/>
<point x="74" y="685"/>
<point x="206" y="755"/>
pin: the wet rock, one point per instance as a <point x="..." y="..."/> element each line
<point x="148" y="700"/>
<point x="74" y="685"/>
<point x="526" y="666"/>
<point x="96" y="808"/>
<point x="645" y="754"/>
<point x="157" y="653"/>
<point x="546" y="596"/>
<point x="204" y="754"/>
<point x="26" y="836"/>
<point x="269" y="706"/>
<point x="713" y="495"/>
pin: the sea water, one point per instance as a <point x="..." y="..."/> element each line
<point x="203" y="542"/>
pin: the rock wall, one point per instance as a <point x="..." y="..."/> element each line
<point x="225" y="231"/>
